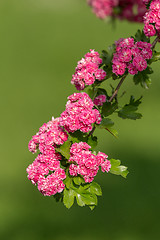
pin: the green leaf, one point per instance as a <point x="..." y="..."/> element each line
<point x="92" y="141"/>
<point x="95" y="188"/>
<point x="78" y="180"/>
<point x="105" y="123"/>
<point x="68" y="182"/>
<point x="78" y="136"/>
<point x="92" y="92"/>
<point x="134" y="102"/>
<point x="89" y="198"/>
<point x="129" y="110"/>
<point x="108" y="108"/>
<point x="92" y="207"/>
<point x="140" y="36"/>
<point x="142" y="78"/>
<point x="108" y="55"/>
<point x="68" y="197"/>
<point x="65" y="149"/>
<point x="118" y="169"/>
<point x="101" y="91"/>
<point x="79" y="199"/>
<point x="155" y="57"/>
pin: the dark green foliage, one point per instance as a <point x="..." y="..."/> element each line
<point x="107" y="124"/>
<point x="140" y="36"/>
<point x="107" y="60"/>
<point x="142" y="78"/>
<point x="92" y="141"/>
<point x="109" y="108"/>
<point x="129" y="110"/>
<point x="85" y="193"/>
<point x="155" y="57"/>
<point x="65" y="149"/>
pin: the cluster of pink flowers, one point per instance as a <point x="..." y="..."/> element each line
<point x="146" y="1"/>
<point x="38" y="173"/>
<point x="131" y="56"/>
<point x="125" y="9"/>
<point x="103" y="8"/>
<point x="79" y="113"/>
<point x="87" y="71"/>
<point x="152" y="19"/>
<point x="49" y="135"/>
<point x="85" y="163"/>
<point x="99" y="100"/>
<point x="132" y="10"/>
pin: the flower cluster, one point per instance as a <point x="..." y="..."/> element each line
<point x="152" y="19"/>
<point x="79" y="113"/>
<point x="87" y="70"/>
<point x="99" y="100"/>
<point x="132" y="10"/>
<point x="146" y="1"/>
<point x="49" y="135"/>
<point x="85" y="163"/>
<point x="130" y="55"/>
<point x="103" y="8"/>
<point x="38" y="173"/>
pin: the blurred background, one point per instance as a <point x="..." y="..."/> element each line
<point x="40" y="44"/>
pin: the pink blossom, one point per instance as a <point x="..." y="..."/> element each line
<point x="79" y="113"/>
<point x="152" y="19"/>
<point x="99" y="100"/>
<point x="106" y="8"/>
<point x="88" y="70"/>
<point x="86" y="164"/>
<point x="52" y="184"/>
<point x="131" y="56"/>
<point x="49" y="135"/>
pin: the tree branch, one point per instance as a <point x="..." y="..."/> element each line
<point x="92" y="131"/>
<point x="117" y="88"/>
<point x="155" y="42"/>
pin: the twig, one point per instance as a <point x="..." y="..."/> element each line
<point x="117" y="88"/>
<point x="91" y="132"/>
<point x="155" y="42"/>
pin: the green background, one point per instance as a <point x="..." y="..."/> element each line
<point x="40" y="44"/>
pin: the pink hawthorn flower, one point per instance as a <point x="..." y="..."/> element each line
<point x="79" y="113"/>
<point x="99" y="100"/>
<point x="53" y="183"/>
<point x="84" y="163"/>
<point x="152" y="19"/>
<point x="39" y="174"/>
<point x="103" y="8"/>
<point x="45" y="171"/>
<point x="131" y="56"/>
<point x="126" y="9"/>
<point x="50" y="135"/>
<point x="87" y="71"/>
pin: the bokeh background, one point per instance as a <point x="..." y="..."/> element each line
<point x="40" y="44"/>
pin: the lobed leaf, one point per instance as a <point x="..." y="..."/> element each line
<point x="108" y="108"/>
<point x="65" y="149"/>
<point x="129" y="110"/>
<point x="118" y="169"/>
<point x="140" y="36"/>
<point x="92" y="141"/>
<point x="142" y="78"/>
